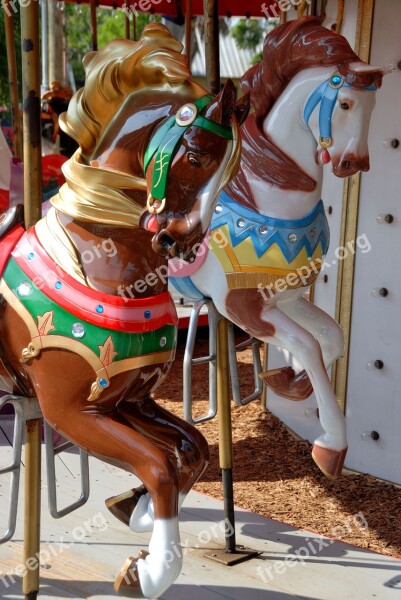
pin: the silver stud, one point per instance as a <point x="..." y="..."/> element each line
<point x="313" y="232"/>
<point x="241" y="222"/>
<point x="163" y="341"/>
<point x="293" y="237"/>
<point x="78" y="330"/>
<point x="263" y="229"/>
<point x="24" y="289"/>
<point x="218" y="209"/>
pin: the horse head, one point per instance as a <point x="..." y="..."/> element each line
<point x="192" y="160"/>
<point x="340" y="124"/>
<point x="153" y="143"/>
<point x="310" y="81"/>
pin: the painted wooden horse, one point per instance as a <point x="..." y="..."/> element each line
<point x="312" y="100"/>
<point x="87" y="324"/>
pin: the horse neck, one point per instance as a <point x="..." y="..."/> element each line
<point x="113" y="260"/>
<point x="286" y="127"/>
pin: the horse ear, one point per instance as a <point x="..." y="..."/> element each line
<point x="242" y="108"/>
<point x="223" y="106"/>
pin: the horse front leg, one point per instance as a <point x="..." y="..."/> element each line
<point x="185" y="446"/>
<point x="285" y="381"/>
<point x="269" y="324"/>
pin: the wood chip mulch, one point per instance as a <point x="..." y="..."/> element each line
<point x="275" y="476"/>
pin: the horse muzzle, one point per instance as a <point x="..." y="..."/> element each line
<point x="350" y="165"/>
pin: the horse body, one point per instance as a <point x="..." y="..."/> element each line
<point x="313" y="99"/>
<point x="87" y="324"/>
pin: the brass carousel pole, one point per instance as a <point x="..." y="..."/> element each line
<point x="188" y="30"/>
<point x="211" y="19"/>
<point x="33" y="205"/>
<point x="13" y="77"/>
<point x="93" y="24"/>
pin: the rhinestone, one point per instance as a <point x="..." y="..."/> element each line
<point x="147" y="314"/>
<point x="218" y="209"/>
<point x="186" y="113"/>
<point x="78" y="330"/>
<point x="336" y="80"/>
<point x="58" y="285"/>
<point x="313" y="232"/>
<point x="263" y="229"/>
<point x="24" y="289"/>
<point x="241" y="222"/>
<point x="103" y="382"/>
<point x="99" y="308"/>
<point x="163" y="341"/>
<point x="31" y="256"/>
<point x="293" y="237"/>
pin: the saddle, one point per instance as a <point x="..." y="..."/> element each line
<point x="10" y="218"/>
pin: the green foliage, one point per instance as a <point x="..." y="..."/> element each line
<point x="110" y="26"/>
<point x="4" y="87"/>
<point x="257" y="58"/>
<point x="248" y="33"/>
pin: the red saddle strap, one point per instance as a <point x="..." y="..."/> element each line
<point x="8" y="243"/>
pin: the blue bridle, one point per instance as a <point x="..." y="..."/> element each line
<point x="326" y="94"/>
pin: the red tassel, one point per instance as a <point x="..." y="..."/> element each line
<point x="325" y="156"/>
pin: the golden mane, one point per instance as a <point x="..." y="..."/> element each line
<point x="120" y="69"/>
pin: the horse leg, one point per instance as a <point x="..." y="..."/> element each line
<point x="185" y="446"/>
<point x="103" y="432"/>
<point x="297" y="386"/>
<point x="271" y="325"/>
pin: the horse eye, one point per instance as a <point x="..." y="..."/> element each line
<point x="344" y="105"/>
<point x="193" y="160"/>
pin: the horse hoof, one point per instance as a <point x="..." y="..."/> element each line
<point x="127" y="581"/>
<point x="329" y="461"/>
<point x="285" y="382"/>
<point x="122" y="506"/>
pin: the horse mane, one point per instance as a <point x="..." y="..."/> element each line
<point x="121" y="68"/>
<point x="292" y="47"/>
<point x="287" y="50"/>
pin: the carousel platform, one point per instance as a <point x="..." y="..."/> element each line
<point x="81" y="553"/>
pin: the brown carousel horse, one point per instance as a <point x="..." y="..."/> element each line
<point x="87" y="324"/>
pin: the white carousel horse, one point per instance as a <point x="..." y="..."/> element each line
<point x="312" y="100"/>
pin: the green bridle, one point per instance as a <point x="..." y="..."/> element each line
<point x="165" y="141"/>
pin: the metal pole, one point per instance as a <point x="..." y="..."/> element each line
<point x="93" y="24"/>
<point x="225" y="432"/>
<point x="56" y="43"/>
<point x="33" y="200"/>
<point x="127" y="25"/>
<point x="211" y="19"/>
<point x="45" y="46"/>
<point x="135" y="33"/>
<point x="13" y="77"/>
<point x="188" y="30"/>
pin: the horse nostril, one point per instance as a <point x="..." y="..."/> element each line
<point x="166" y="241"/>
<point x="347" y="164"/>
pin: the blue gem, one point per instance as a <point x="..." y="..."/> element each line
<point x="31" y="256"/>
<point x="147" y="314"/>
<point x="99" y="308"/>
<point x="336" y="80"/>
<point x="58" y="285"/>
<point x="102" y="382"/>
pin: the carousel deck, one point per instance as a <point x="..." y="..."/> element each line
<point x="81" y="553"/>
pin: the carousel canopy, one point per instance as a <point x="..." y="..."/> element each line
<point x="177" y="8"/>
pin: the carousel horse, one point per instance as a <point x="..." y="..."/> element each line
<point x="312" y="99"/>
<point x="87" y="324"/>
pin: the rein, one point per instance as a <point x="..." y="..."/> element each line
<point x="326" y="95"/>
<point x="165" y="141"/>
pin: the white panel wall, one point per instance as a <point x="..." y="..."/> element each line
<point x="374" y="397"/>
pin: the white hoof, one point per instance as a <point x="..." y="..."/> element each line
<point x="142" y="518"/>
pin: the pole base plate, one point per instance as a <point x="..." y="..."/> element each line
<point x="31" y="596"/>
<point x="241" y="554"/>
